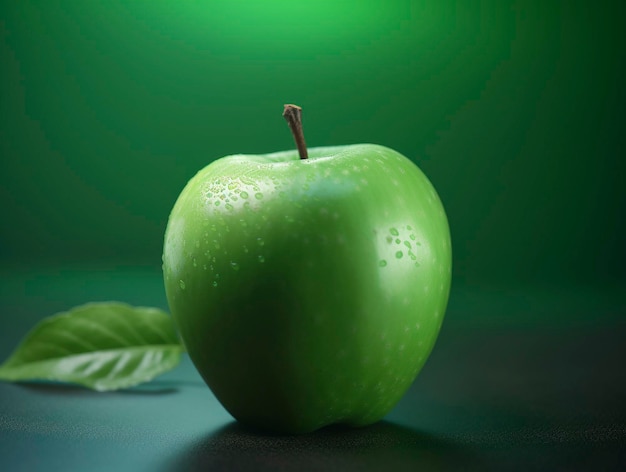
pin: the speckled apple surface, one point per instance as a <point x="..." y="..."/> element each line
<point x="308" y="292"/>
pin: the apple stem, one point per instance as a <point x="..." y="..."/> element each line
<point x="293" y="115"/>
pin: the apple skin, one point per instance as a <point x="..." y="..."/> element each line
<point x="308" y="292"/>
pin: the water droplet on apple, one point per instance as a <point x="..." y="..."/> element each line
<point x="409" y="227"/>
<point x="382" y="263"/>
<point x="389" y="239"/>
<point x="214" y="283"/>
<point x="182" y="284"/>
<point x="258" y="196"/>
<point x="235" y="266"/>
<point x="394" y="231"/>
<point x="407" y="244"/>
<point x="412" y="236"/>
<point x="399" y="255"/>
<point x="217" y="203"/>
<point x="244" y="195"/>
<point x="229" y="207"/>
<point x="397" y="240"/>
<point x="261" y="258"/>
<point x="260" y="241"/>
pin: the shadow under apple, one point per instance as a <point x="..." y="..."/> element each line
<point x="381" y="446"/>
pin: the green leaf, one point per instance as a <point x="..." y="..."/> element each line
<point x="103" y="346"/>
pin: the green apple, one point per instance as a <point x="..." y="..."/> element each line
<point x="308" y="291"/>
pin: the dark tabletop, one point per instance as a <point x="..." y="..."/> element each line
<point x="525" y="379"/>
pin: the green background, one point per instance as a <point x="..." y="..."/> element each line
<point x="514" y="109"/>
